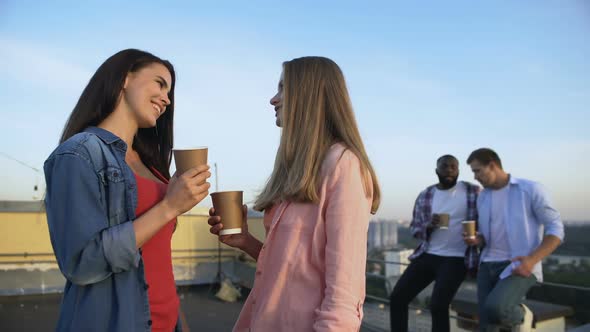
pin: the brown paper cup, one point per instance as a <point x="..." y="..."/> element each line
<point x="186" y="159"/>
<point x="443" y="220"/>
<point x="228" y="205"/>
<point x="469" y="228"/>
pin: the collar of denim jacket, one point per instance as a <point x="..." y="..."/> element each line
<point x="106" y="136"/>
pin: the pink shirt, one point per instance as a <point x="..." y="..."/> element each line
<point x="310" y="273"/>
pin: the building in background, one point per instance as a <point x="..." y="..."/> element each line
<point x="28" y="265"/>
<point x="399" y="262"/>
<point x="382" y="234"/>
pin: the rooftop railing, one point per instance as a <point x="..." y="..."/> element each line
<point x="425" y="309"/>
<point x="33" y="257"/>
<point x="581" y="288"/>
<point x="231" y="254"/>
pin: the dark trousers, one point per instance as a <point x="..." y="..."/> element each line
<point x="447" y="273"/>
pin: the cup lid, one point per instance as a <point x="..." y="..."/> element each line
<point x="190" y="148"/>
<point x="227" y="191"/>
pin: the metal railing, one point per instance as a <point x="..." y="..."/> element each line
<point x="26" y="255"/>
<point x="215" y="254"/>
<point x="581" y="288"/>
<point x="459" y="318"/>
<point x="411" y="306"/>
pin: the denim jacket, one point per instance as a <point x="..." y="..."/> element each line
<point x="90" y="203"/>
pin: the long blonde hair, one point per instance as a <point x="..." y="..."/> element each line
<point x="316" y="113"/>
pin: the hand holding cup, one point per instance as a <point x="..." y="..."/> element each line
<point x="187" y="190"/>
<point x="478" y="240"/>
<point x="440" y="220"/>
<point x="233" y="240"/>
<point x="435" y="220"/>
<point x="469" y="228"/>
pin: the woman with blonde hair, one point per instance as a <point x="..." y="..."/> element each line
<point x="310" y="271"/>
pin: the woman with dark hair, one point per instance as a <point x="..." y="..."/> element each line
<point x="111" y="203"/>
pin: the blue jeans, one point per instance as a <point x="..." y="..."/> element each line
<point x="499" y="300"/>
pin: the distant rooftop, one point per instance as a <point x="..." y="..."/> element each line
<point x="38" y="206"/>
<point x="22" y="206"/>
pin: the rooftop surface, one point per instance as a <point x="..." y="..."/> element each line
<point x="203" y="311"/>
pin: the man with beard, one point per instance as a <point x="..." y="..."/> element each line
<point x="518" y="227"/>
<point x="442" y="256"/>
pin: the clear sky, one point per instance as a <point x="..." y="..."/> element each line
<point x="425" y="78"/>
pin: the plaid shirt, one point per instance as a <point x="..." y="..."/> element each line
<point x="422" y="217"/>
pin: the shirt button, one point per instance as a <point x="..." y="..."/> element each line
<point x="258" y="273"/>
<point x="146" y="286"/>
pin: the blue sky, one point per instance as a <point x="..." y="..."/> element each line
<point x="425" y="80"/>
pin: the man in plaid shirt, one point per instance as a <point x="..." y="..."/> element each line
<point x="442" y="256"/>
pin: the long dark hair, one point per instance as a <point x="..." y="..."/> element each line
<point x="100" y="97"/>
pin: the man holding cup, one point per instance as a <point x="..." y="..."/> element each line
<point x="442" y="256"/>
<point x="512" y="214"/>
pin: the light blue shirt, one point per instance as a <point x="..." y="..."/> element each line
<point x="528" y="214"/>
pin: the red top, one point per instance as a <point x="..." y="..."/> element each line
<point x="157" y="257"/>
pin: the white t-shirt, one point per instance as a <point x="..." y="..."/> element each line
<point x="449" y="242"/>
<point x="497" y="246"/>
